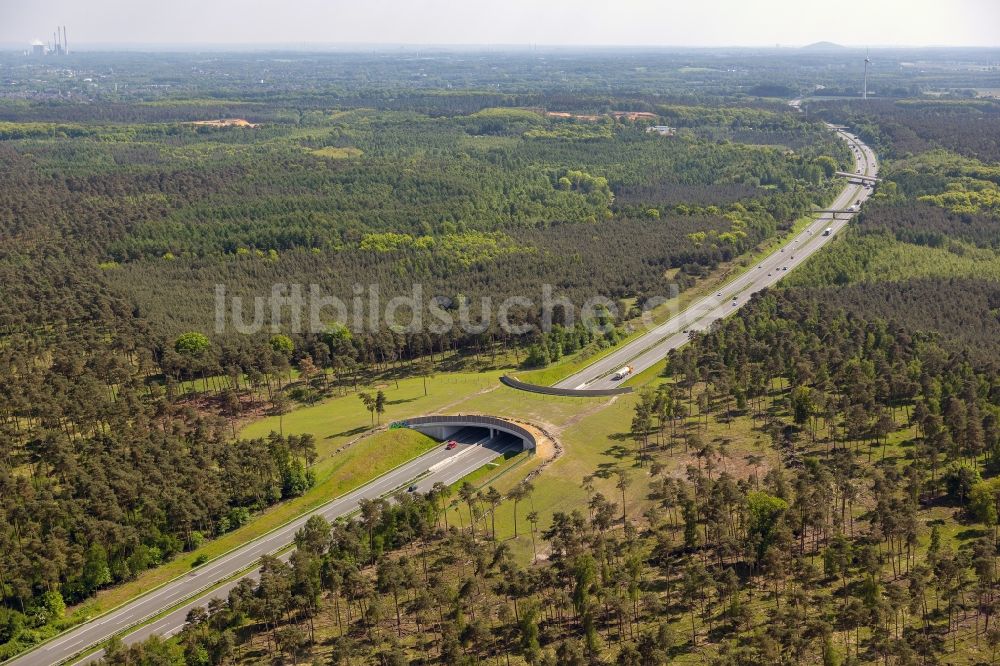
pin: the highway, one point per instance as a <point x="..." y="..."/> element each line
<point x="474" y="450"/>
<point x="652" y="346"/>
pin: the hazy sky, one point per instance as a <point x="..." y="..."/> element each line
<point x="543" y="22"/>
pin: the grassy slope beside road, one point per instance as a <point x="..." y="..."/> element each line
<point x="338" y="421"/>
<point x="335" y="423"/>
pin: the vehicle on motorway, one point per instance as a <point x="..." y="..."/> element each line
<point x="784" y="268"/>
<point x="828" y="231"/>
<point x="622" y="373"/>
<point x="450" y="445"/>
<point x="412" y="489"/>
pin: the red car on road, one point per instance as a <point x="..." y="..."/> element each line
<point x="451" y="444"/>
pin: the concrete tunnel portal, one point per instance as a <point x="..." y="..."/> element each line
<point x="444" y="427"/>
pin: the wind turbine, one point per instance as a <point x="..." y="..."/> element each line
<point x="868" y="61"/>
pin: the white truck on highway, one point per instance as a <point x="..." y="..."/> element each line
<point x="622" y="373"/>
<point x="828" y="231"/>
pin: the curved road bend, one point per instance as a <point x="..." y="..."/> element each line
<point x="652" y="347"/>
<point x="474" y="451"/>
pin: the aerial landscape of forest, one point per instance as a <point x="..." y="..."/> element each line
<point x="775" y="441"/>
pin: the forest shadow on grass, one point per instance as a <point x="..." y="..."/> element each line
<point x="618" y="452"/>
<point x="605" y="470"/>
<point x="972" y="533"/>
<point x="348" y="433"/>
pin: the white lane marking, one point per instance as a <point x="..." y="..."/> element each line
<point x="845" y="197"/>
<point x="348" y="499"/>
<point x="447" y="462"/>
<point x="169" y="619"/>
<point x="57" y="643"/>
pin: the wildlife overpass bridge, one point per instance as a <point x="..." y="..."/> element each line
<point x="857" y="176"/>
<point x="834" y="213"/>
<point x="443" y="427"/>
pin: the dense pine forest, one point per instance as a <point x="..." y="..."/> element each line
<point x="839" y="553"/>
<point x="861" y="529"/>
<point x="120" y="401"/>
<point x="866" y="533"/>
<point x="460" y="204"/>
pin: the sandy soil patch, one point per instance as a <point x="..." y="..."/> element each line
<point x="225" y="122"/>
<point x="627" y="115"/>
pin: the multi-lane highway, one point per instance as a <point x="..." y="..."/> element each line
<point x="652" y="346"/>
<point x="475" y="448"/>
<point x="473" y="451"/>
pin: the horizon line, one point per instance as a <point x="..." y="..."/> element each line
<point x="138" y="46"/>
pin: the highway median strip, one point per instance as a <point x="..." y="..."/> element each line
<point x="703" y="307"/>
<point x="201" y="568"/>
<point x="249" y="568"/>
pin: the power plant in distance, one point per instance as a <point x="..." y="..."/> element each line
<point x="58" y="45"/>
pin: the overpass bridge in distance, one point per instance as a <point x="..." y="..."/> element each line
<point x="443" y="427"/>
<point x="842" y="211"/>
<point x="857" y="176"/>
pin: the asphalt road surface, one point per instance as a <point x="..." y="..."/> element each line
<point x="652" y="346"/>
<point x="474" y="450"/>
